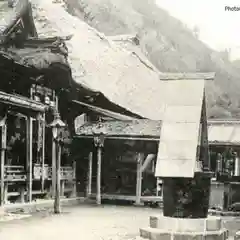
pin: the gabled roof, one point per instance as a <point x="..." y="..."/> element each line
<point x="38" y="58"/>
<point x="17" y="16"/>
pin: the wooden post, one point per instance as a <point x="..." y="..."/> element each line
<point x="53" y="167"/>
<point x="139" y="178"/>
<point x="99" y="168"/>
<point x="62" y="184"/>
<point x="3" y="150"/>
<point x="237" y="164"/>
<point x="74" y="193"/>
<point x="89" y="179"/>
<point x="43" y="152"/>
<point x="58" y="187"/>
<point x="5" y="194"/>
<point x="22" y="197"/>
<point x="29" y="136"/>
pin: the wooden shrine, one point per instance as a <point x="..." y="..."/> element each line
<point x="35" y="82"/>
<point x="145" y="133"/>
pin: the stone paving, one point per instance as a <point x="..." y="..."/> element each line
<point x="83" y="222"/>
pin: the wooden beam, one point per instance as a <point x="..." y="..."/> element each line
<point x="237" y="165"/>
<point x="3" y="150"/>
<point x="53" y="167"/>
<point x="187" y="76"/>
<point x="20" y="101"/>
<point x="43" y="151"/>
<point x="58" y="185"/>
<point x="89" y="179"/>
<point x="105" y="112"/>
<point x="99" y="173"/>
<point x="128" y="198"/>
<point x="156" y="139"/>
<point x="223" y="121"/>
<point x="29" y="137"/>
<point x="140" y="159"/>
<point x="74" y="193"/>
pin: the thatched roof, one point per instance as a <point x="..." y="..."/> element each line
<point x="132" y="44"/>
<point x="100" y="64"/>
<point x="23" y="55"/>
<point x="38" y="57"/>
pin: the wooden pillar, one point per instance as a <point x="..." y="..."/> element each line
<point x="219" y="167"/>
<point x="89" y="178"/>
<point x="140" y="158"/>
<point x="237" y="164"/>
<point x="3" y="151"/>
<point x="99" y="144"/>
<point x="58" y="179"/>
<point x="74" y="193"/>
<point x="99" y="168"/>
<point x="53" y="167"/>
<point x="29" y="137"/>
<point x="43" y="152"/>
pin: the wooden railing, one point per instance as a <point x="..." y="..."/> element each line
<point x="14" y="173"/>
<point x="17" y="173"/>
<point x="67" y="173"/>
<point x="39" y="172"/>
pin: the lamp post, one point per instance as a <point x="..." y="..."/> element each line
<point x="56" y="126"/>
<point x="99" y="137"/>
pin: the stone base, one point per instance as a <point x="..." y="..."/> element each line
<point x="168" y="228"/>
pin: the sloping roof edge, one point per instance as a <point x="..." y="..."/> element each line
<point x="187" y="76"/>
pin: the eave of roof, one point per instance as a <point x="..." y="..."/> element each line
<point x="141" y="128"/>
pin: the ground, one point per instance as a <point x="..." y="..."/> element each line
<point x="82" y="222"/>
<point x="88" y="222"/>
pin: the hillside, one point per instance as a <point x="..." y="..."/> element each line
<point x="168" y="44"/>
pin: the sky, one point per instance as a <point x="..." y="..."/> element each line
<point x="220" y="29"/>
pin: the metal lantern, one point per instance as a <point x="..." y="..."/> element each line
<point x="56" y="124"/>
